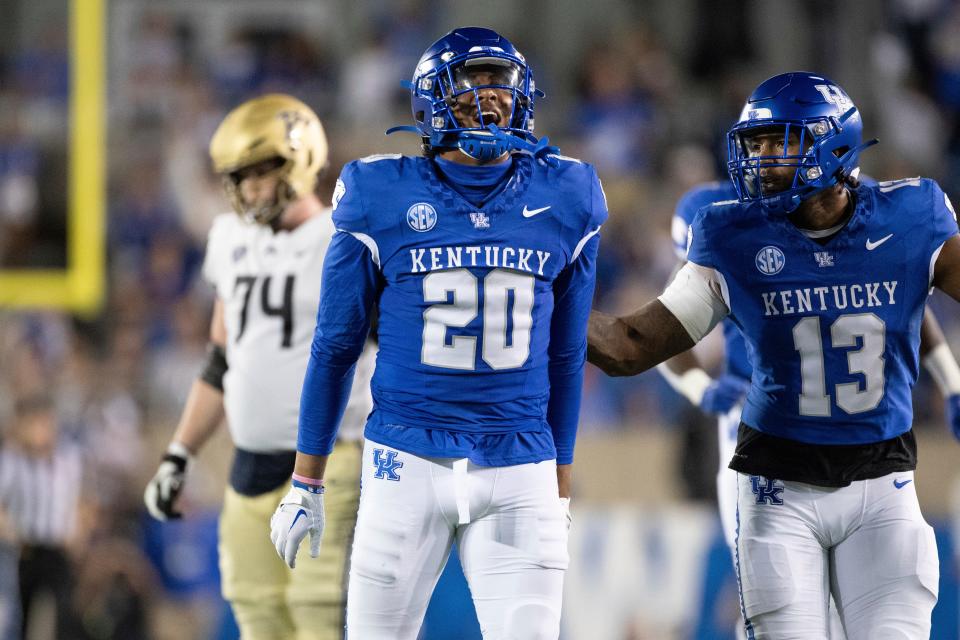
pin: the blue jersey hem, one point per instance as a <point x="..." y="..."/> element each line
<point x="475" y="454"/>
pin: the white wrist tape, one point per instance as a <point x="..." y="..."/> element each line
<point x="944" y="369"/>
<point x="691" y="384"/>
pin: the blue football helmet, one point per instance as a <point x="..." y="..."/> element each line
<point x="823" y="120"/>
<point x="443" y="75"/>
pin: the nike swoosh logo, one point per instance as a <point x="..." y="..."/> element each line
<point x="303" y="513"/>
<point x="873" y="245"/>
<point x="901" y="485"/>
<point x="529" y="213"/>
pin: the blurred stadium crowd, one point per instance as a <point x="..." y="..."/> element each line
<point x="642" y="95"/>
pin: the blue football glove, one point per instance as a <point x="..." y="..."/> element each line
<point x="953" y="414"/>
<point x="723" y="394"/>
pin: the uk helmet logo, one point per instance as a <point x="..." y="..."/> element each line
<point x="421" y="217"/>
<point x="770" y="260"/>
<point x="835" y="96"/>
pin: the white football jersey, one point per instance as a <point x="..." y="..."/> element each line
<point x="269" y="284"/>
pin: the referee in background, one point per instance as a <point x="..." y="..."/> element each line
<point x="40" y="483"/>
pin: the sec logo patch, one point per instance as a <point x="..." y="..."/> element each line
<point x="770" y="260"/>
<point x="422" y="217"/>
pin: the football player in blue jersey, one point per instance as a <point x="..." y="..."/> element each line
<point x="723" y="396"/>
<point x="827" y="280"/>
<point x="479" y="259"/>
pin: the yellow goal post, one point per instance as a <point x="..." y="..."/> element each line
<point x="79" y="287"/>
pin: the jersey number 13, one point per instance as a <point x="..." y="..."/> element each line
<point x="867" y="360"/>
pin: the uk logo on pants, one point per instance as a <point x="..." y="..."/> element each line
<point x="767" y="490"/>
<point x="387" y="465"/>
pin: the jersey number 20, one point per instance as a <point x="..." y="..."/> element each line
<point x="867" y="360"/>
<point x="507" y="318"/>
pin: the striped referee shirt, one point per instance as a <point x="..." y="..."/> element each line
<point x="40" y="495"/>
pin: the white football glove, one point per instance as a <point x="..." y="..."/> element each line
<point x="300" y="512"/>
<point x="165" y="486"/>
<point x="566" y="509"/>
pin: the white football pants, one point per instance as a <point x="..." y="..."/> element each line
<point x="511" y="532"/>
<point x="867" y="543"/>
<point x="727" y="425"/>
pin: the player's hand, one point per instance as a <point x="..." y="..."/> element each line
<point x="299" y="513"/>
<point x="723" y="394"/>
<point x="167" y="483"/>
<point x="566" y="510"/>
<point x="953" y="414"/>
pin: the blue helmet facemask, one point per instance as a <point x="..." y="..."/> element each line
<point x="448" y="80"/>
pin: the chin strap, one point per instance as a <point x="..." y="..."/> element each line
<point x="542" y="150"/>
<point x="493" y="142"/>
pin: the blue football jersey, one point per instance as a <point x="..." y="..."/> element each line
<point x="482" y="310"/>
<point x="735" y="350"/>
<point x="832" y="330"/>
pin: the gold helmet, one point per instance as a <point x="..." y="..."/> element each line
<point x="272" y="127"/>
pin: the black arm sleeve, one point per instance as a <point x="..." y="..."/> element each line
<point x="215" y="367"/>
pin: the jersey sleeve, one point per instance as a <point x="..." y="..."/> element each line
<point x="348" y="212"/>
<point x="573" y="295"/>
<point x="350" y="286"/>
<point x="944" y="215"/>
<point x="598" y="203"/>
<point x="351" y="283"/>
<point x="942" y="226"/>
<point x="698" y="249"/>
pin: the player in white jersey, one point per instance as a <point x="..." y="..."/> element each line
<point x="265" y="265"/>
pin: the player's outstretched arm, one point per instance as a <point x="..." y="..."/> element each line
<point x="201" y="416"/>
<point x="687" y="310"/>
<point x="628" y="345"/>
<point x="683" y="371"/>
